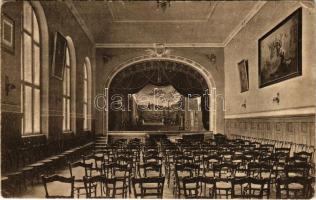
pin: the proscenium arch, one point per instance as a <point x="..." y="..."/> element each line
<point x="204" y="73"/>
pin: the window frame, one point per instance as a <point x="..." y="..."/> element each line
<point x="66" y="97"/>
<point x="86" y="122"/>
<point x="25" y="83"/>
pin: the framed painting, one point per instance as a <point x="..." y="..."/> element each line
<point x="280" y="51"/>
<point x="59" y="56"/>
<point x="7" y="35"/>
<point x="243" y="75"/>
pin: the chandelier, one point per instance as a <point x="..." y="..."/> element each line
<point x="163" y="4"/>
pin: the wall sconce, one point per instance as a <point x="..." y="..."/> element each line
<point x="163" y="4"/>
<point x="8" y="86"/>
<point x="244" y="105"/>
<point x="276" y="99"/>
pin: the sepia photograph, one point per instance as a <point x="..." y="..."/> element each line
<point x="158" y="99"/>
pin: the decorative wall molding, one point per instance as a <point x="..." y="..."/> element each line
<point x="275" y="113"/>
<point x="202" y="20"/>
<point x="152" y="45"/>
<point x="79" y="19"/>
<point x="295" y="129"/>
<point x="253" y="12"/>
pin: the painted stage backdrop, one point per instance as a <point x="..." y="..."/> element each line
<point x="160" y="108"/>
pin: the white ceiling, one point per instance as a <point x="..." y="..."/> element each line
<point x="139" y="22"/>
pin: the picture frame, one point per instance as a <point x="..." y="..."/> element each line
<point x="280" y="51"/>
<point x="243" y="75"/>
<point x="59" y="56"/>
<point x="7" y="33"/>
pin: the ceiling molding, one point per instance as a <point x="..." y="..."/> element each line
<point x="79" y="19"/>
<point x="244" y="22"/>
<point x="152" y="45"/>
<point x="206" y="19"/>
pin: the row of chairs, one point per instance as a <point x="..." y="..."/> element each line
<point x="102" y="187"/>
<point x="239" y="155"/>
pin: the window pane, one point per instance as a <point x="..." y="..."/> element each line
<point x="85" y="91"/>
<point x="65" y="82"/>
<point x="68" y="114"/>
<point x="37" y="110"/>
<point x="67" y="57"/>
<point x="85" y="125"/>
<point x="85" y="71"/>
<point x="68" y="81"/>
<point x="36" y="65"/>
<point x="27" y="110"/>
<point x="27" y="53"/>
<point x="64" y="114"/>
<point x="35" y="28"/>
<point x="27" y="16"/>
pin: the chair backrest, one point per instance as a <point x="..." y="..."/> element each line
<point x="153" y="158"/>
<point x="87" y="167"/>
<point x="100" y="186"/>
<point x="148" y="187"/>
<point x="297" y="169"/>
<point x="304" y="154"/>
<point x="224" y="170"/>
<point x="209" y="161"/>
<point x="120" y="168"/>
<point x="149" y="168"/>
<point x="60" y="180"/>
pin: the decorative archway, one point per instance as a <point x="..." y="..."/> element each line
<point x="196" y="66"/>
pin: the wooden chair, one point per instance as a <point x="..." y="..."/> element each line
<point x="100" y="187"/>
<point x="208" y="187"/>
<point x="293" y="187"/>
<point x="122" y="173"/>
<point x="191" y="187"/>
<point x="85" y="169"/>
<point x="255" y="188"/>
<point x="60" y="179"/>
<point x="148" y="187"/>
<point x="151" y="169"/>
<point x="239" y="186"/>
<point x="223" y="174"/>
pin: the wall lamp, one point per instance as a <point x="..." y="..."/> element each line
<point x="244" y="105"/>
<point x="276" y="99"/>
<point x="8" y="86"/>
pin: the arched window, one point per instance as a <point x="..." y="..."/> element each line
<point x="67" y="94"/>
<point x="86" y="95"/>
<point x="31" y="72"/>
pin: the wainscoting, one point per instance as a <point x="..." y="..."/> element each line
<point x="293" y="129"/>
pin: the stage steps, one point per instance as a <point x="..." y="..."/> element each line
<point x="100" y="142"/>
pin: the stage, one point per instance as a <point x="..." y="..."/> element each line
<point x="172" y="135"/>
